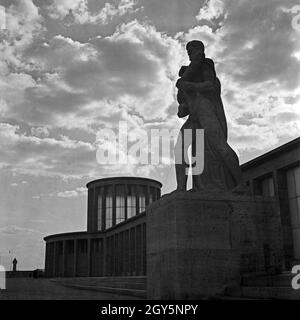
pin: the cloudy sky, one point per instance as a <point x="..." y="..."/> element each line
<point x="70" y="68"/>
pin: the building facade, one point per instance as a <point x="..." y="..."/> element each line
<point x="277" y="174"/>
<point x="115" y="241"/>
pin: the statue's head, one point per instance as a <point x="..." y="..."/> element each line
<point x="195" y="49"/>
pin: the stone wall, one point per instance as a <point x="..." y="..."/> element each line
<point x="198" y="245"/>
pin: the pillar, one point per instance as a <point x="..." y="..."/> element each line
<point x="104" y="256"/>
<point x="64" y="258"/>
<point x="89" y="257"/>
<point x="142" y="251"/>
<point x="281" y="193"/>
<point x="147" y="195"/>
<point x="75" y="258"/>
<point x="137" y="192"/>
<point x="54" y="259"/>
<point x="125" y="202"/>
<point x="47" y="260"/>
<point x="251" y="185"/>
<point x="129" y="253"/>
<point x="114" y="205"/>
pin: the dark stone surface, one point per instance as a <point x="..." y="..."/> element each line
<point x="200" y="244"/>
<point x="275" y="164"/>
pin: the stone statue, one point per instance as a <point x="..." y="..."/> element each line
<point x="199" y="97"/>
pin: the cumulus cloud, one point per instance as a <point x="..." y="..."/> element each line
<point x="256" y="40"/>
<point x="45" y="156"/>
<point x="23" y="25"/>
<point x="135" y="66"/>
<point x="211" y="10"/>
<point x="64" y="84"/>
<point x="15" y="230"/>
<point x="23" y="21"/>
<point x="59" y="9"/>
<point x="40" y="132"/>
<point x="254" y="47"/>
<point x="16" y="184"/>
<point x="78" y="11"/>
<point x="72" y="193"/>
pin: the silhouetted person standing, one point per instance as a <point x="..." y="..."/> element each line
<point x="15" y="261"/>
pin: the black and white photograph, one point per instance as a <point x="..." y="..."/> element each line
<point x="149" y="150"/>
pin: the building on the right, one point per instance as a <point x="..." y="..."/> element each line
<point x="277" y="174"/>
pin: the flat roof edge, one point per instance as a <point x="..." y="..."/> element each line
<point x="286" y="146"/>
<point x="64" y="234"/>
<point x="123" y="178"/>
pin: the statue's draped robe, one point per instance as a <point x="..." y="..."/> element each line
<point x="205" y="109"/>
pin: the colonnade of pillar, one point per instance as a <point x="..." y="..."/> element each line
<point x="121" y="253"/>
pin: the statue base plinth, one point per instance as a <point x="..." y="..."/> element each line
<point x="200" y="244"/>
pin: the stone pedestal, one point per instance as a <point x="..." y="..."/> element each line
<point x="200" y="244"/>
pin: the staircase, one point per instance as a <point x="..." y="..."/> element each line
<point x="132" y="286"/>
<point x="266" y="287"/>
<point x="259" y="286"/>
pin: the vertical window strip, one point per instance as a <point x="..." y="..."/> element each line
<point x="131" y="202"/>
<point x="120" y="204"/>
<point x="109" y="208"/>
<point x="99" y="213"/>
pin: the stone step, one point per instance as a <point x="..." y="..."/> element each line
<point x="136" y="279"/>
<point x="280" y="280"/>
<point x="137" y="283"/>
<point x="261" y="292"/>
<point x="117" y="284"/>
<point x="133" y="286"/>
<point x="114" y="290"/>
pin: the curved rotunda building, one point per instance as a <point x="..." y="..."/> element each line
<point x="115" y="241"/>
